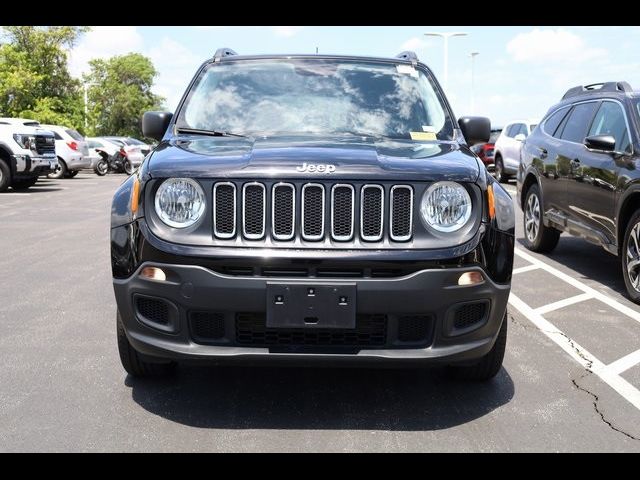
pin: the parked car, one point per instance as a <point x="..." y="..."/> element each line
<point x="297" y="223"/>
<point x="507" y="148"/>
<point x="134" y="150"/>
<point x="72" y="151"/>
<point x="578" y="175"/>
<point x="27" y="151"/>
<point x="485" y="150"/>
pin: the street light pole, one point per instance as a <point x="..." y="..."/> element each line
<point x="473" y="56"/>
<point x="445" y="37"/>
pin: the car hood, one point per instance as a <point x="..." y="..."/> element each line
<point x="356" y="158"/>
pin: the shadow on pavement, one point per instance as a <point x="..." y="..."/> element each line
<point x="590" y="261"/>
<point x="319" y="398"/>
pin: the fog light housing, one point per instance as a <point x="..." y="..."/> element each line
<point x="470" y="278"/>
<point x="153" y="273"/>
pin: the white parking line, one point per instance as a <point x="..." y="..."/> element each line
<point x="624" y="363"/>
<point x="578" y="353"/>
<point x="526" y="268"/>
<point x="610" y="374"/>
<point x="563" y="303"/>
<point x="580" y="286"/>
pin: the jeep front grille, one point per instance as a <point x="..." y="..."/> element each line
<point x="312" y="212"/>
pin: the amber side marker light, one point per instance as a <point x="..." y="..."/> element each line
<point x="153" y="273"/>
<point x="491" y="201"/>
<point x="135" y="193"/>
<point x="470" y="278"/>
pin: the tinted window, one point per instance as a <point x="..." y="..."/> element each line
<point x="133" y="141"/>
<point x="494" y="136"/>
<point x="551" y="123"/>
<point x="57" y="135"/>
<point x="512" y="130"/>
<point x="610" y="121"/>
<point x="74" y="134"/>
<point x="575" y="128"/>
<point x="532" y="127"/>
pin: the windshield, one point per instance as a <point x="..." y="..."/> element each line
<point x="74" y="134"/>
<point x="316" y="96"/>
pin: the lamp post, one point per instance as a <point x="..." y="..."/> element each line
<point x="473" y="56"/>
<point x="445" y="37"/>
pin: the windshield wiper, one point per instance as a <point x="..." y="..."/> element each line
<point x="213" y="133"/>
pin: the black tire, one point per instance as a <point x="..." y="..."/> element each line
<point x="537" y="237"/>
<point x="60" y="171"/>
<point x="489" y="365"/>
<point x="498" y="170"/>
<point x="101" y="168"/>
<point x="72" y="173"/>
<point x="24" y="184"/>
<point x="631" y="253"/>
<point x="132" y="361"/>
<point x="5" y="176"/>
<point x="128" y="167"/>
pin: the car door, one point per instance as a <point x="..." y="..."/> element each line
<point x="512" y="153"/>
<point x="593" y="178"/>
<point x="543" y="147"/>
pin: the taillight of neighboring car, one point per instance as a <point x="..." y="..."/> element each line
<point x="72" y="145"/>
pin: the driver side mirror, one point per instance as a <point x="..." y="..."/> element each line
<point x="475" y="129"/>
<point x="521" y="137"/>
<point x="604" y="143"/>
<point x="154" y="124"/>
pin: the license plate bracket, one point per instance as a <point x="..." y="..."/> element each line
<point x="311" y="305"/>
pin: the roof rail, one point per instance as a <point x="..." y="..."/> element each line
<point x="603" y="87"/>
<point x="408" y="55"/>
<point x="223" y="52"/>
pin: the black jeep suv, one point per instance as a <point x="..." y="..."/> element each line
<point x="578" y="173"/>
<point x="310" y="208"/>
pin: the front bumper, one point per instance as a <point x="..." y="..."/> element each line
<point x="34" y="165"/>
<point x="431" y="294"/>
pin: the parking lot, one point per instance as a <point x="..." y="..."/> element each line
<point x="570" y="381"/>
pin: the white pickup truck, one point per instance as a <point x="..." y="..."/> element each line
<point x="27" y="152"/>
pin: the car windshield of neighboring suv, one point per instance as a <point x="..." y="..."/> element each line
<point x="74" y="134"/>
<point x="494" y="136"/>
<point x="316" y="96"/>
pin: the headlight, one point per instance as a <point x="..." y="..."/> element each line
<point x="179" y="202"/>
<point x="446" y="206"/>
<point x="28" y="142"/>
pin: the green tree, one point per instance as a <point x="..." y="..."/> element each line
<point x="34" y="76"/>
<point x="119" y="93"/>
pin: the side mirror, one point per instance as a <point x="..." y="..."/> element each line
<point x="521" y="137"/>
<point x="475" y="129"/>
<point x="154" y="124"/>
<point x="605" y="143"/>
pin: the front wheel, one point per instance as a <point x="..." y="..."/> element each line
<point x="489" y="365"/>
<point x="498" y="171"/>
<point x="60" y="171"/>
<point x="537" y="237"/>
<point x="5" y="176"/>
<point x="630" y="256"/>
<point x="128" y="167"/>
<point x="101" y="168"/>
<point x="133" y="362"/>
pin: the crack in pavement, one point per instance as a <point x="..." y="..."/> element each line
<point x="587" y="369"/>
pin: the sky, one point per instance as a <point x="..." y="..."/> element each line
<point x="519" y="72"/>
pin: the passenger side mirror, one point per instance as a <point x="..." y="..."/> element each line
<point x="605" y="143"/>
<point x="475" y="129"/>
<point x="521" y="137"/>
<point x="154" y="124"/>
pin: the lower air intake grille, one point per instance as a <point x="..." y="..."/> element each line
<point x="153" y="310"/>
<point x="469" y="314"/>
<point x="414" y="328"/>
<point x="370" y="331"/>
<point x="206" y="326"/>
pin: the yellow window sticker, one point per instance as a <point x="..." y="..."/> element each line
<point x="422" y="135"/>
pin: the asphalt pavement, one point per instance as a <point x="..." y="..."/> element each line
<point x="570" y="379"/>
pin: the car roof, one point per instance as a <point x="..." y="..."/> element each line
<point x="18" y="121"/>
<point x="231" y="58"/>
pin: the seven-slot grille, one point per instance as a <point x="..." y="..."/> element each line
<point x="313" y="211"/>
